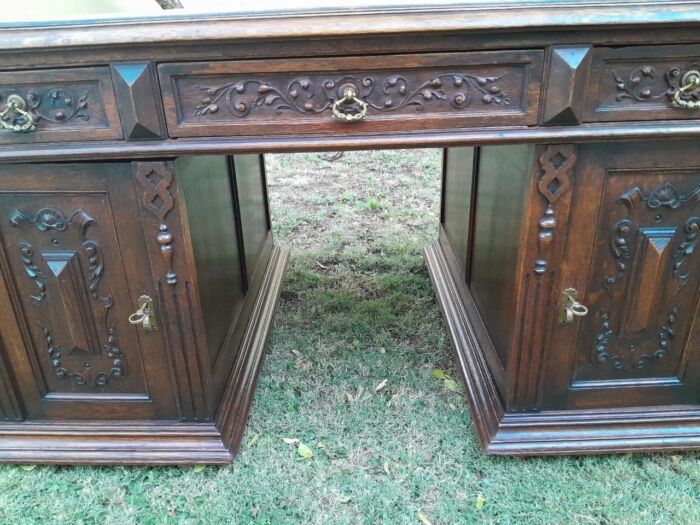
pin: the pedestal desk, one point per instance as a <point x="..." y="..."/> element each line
<point x="139" y="275"/>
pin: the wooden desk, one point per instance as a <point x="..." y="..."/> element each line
<point x="133" y="189"/>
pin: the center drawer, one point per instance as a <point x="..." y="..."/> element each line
<point x="381" y="93"/>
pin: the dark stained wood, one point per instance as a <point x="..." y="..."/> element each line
<point x="568" y="68"/>
<point x="458" y="182"/>
<point x="206" y="185"/>
<point x="633" y="236"/>
<point x="112" y="442"/>
<point x="539" y="263"/>
<point x="304" y="23"/>
<point x="587" y="431"/>
<point x="238" y="395"/>
<point x="67" y="104"/>
<point x="503" y="176"/>
<point x="637" y="83"/>
<point x="416" y="139"/>
<point x="254" y="213"/>
<point x="295" y="96"/>
<point x="535" y="199"/>
<point x="138" y="98"/>
<point x="71" y="289"/>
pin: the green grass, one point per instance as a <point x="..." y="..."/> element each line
<point x="357" y="311"/>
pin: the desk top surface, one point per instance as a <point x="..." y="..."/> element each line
<point x="50" y="12"/>
<point x="46" y="23"/>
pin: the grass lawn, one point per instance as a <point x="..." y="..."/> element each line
<point x="349" y="373"/>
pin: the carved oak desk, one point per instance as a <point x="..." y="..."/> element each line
<point x="138" y="271"/>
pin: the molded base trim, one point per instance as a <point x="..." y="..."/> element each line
<point x="158" y="442"/>
<point x="637" y="429"/>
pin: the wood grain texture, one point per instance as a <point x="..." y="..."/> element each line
<point x="568" y="68"/>
<point x="408" y="139"/>
<point x="67" y="104"/>
<point x="548" y="432"/>
<point x="112" y="443"/>
<point x="552" y="206"/>
<point x="638" y="83"/>
<point x="636" y="270"/>
<point x="71" y="283"/>
<point x="295" y="96"/>
<point x="503" y="177"/>
<point x="478" y="17"/>
<point x="138" y="99"/>
<point x="235" y="405"/>
<point x="458" y="195"/>
<point x="157" y="442"/>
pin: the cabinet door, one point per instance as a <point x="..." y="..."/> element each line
<point x="632" y="253"/>
<point x="74" y="263"/>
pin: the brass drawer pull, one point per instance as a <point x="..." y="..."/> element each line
<point x="690" y="81"/>
<point x="349" y="97"/>
<point x="570" y="307"/>
<point x="17" y="106"/>
<point x="144" y="315"/>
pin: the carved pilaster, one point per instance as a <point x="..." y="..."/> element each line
<point x="175" y="298"/>
<point x="555" y="181"/>
<point x="550" y="199"/>
<point x="156" y="179"/>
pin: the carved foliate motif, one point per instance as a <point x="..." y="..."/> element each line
<point x="55" y="105"/>
<point x="47" y="220"/>
<point x="686" y="248"/>
<point x="645" y="83"/>
<point x="632" y="244"/>
<point x="35" y="274"/>
<point x="391" y="93"/>
<point x="632" y="358"/>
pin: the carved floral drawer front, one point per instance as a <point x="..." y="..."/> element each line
<point x="397" y="92"/>
<point x="640" y="83"/>
<point x="58" y="105"/>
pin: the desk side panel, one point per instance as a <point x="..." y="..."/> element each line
<point x="503" y="178"/>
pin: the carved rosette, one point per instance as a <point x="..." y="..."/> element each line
<point x="54" y="220"/>
<point x="556" y="164"/>
<point x="391" y="93"/>
<point x="624" y="250"/>
<point x="156" y="178"/>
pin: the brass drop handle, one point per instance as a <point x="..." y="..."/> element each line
<point x="16" y="105"/>
<point x="349" y="96"/>
<point x="689" y="82"/>
<point x="570" y="307"/>
<point x="144" y="315"/>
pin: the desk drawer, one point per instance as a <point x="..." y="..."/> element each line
<point x="58" y="105"/>
<point x="639" y="83"/>
<point x="278" y="97"/>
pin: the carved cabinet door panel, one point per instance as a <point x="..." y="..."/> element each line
<point x="632" y="254"/>
<point x="74" y="263"/>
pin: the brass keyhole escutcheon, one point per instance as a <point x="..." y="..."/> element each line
<point x="570" y="308"/>
<point x="145" y="315"/>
